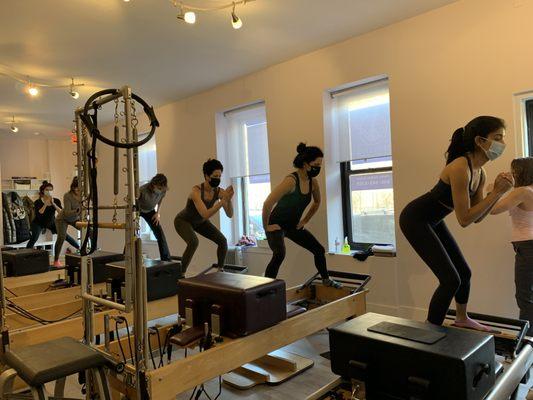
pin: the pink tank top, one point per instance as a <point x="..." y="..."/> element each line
<point x="522" y="221"/>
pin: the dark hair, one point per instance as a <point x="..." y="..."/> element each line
<point x="212" y="165"/>
<point x="159" y="180"/>
<point x="522" y="169"/>
<point x="44" y="186"/>
<point x="74" y="184"/>
<point x="306" y="154"/>
<point x="463" y="138"/>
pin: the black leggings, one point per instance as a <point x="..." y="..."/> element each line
<point x="164" y="252"/>
<point x="301" y="237"/>
<point x="36" y="232"/>
<point x="524" y="280"/>
<point x="438" y="249"/>
<point x="187" y="232"/>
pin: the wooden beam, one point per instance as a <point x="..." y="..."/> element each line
<point x="26" y="280"/>
<point x="16" y="321"/>
<point x="166" y="382"/>
<point x="27" y="289"/>
<point x="48" y="298"/>
<point x="74" y="327"/>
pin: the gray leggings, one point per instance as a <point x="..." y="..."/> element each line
<point x="524" y="280"/>
<point x="61" y="227"/>
<point x="187" y="232"/>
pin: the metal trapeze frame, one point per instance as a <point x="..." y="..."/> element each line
<point x="135" y="279"/>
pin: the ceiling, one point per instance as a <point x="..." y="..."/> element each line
<point x="109" y="43"/>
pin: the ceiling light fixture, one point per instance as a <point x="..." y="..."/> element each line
<point x="72" y="92"/>
<point x="13" y="127"/>
<point x="190" y="17"/>
<point x="32" y="90"/>
<point x="235" y="21"/>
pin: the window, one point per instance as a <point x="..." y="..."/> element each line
<point x="529" y="127"/>
<point x="147" y="157"/>
<point x="243" y="146"/>
<point x="361" y="124"/>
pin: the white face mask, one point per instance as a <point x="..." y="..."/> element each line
<point x="495" y="150"/>
<point x="48" y="192"/>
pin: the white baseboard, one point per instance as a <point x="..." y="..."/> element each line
<point x="382" y="309"/>
<point x="416" y="313"/>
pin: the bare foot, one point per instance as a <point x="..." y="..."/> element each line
<point x="472" y="324"/>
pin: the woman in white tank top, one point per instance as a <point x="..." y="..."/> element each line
<point x="519" y="203"/>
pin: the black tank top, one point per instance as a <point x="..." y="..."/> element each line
<point x="290" y="208"/>
<point x="442" y="191"/>
<point x="190" y="212"/>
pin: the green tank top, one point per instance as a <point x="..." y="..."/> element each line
<point x="290" y="208"/>
<point x="190" y="212"/>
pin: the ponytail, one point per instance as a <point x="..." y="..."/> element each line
<point x="457" y="146"/>
<point x="463" y="139"/>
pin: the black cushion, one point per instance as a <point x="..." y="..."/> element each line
<point x="187" y="336"/>
<point x="49" y="361"/>
<point x="293" y="310"/>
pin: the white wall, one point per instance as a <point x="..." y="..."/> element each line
<point x="51" y="159"/>
<point x="445" y="67"/>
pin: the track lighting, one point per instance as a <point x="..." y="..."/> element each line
<point x="235" y="21"/>
<point x="13" y="127"/>
<point x="33" y="91"/>
<point x="190" y="16"/>
<point x="72" y="92"/>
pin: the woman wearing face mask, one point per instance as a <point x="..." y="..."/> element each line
<point x="149" y="202"/>
<point x="284" y="207"/>
<point x="204" y="201"/>
<point x="69" y="215"/>
<point x="45" y="210"/>
<point x="459" y="190"/>
<point x="519" y="204"/>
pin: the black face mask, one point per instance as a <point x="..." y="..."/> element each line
<point x="214" y="182"/>
<point x="314" y="171"/>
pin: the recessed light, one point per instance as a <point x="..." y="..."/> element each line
<point x="36" y="133"/>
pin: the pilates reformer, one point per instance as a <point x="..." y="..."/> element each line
<point x="71" y="356"/>
<point x="126" y="369"/>
<point x="513" y="358"/>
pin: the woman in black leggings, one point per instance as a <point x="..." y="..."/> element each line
<point x="291" y="197"/>
<point x="459" y="189"/>
<point x="205" y="201"/>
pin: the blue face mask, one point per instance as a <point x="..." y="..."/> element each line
<point x="495" y="150"/>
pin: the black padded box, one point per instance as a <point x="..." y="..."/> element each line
<point x="25" y="262"/>
<point x="99" y="258"/>
<point x="249" y="303"/>
<point x="413" y="359"/>
<point x="161" y="277"/>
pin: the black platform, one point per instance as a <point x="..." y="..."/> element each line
<point x="402" y="359"/>
<point x="25" y="261"/>
<point x="99" y="259"/>
<point x="161" y="276"/>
